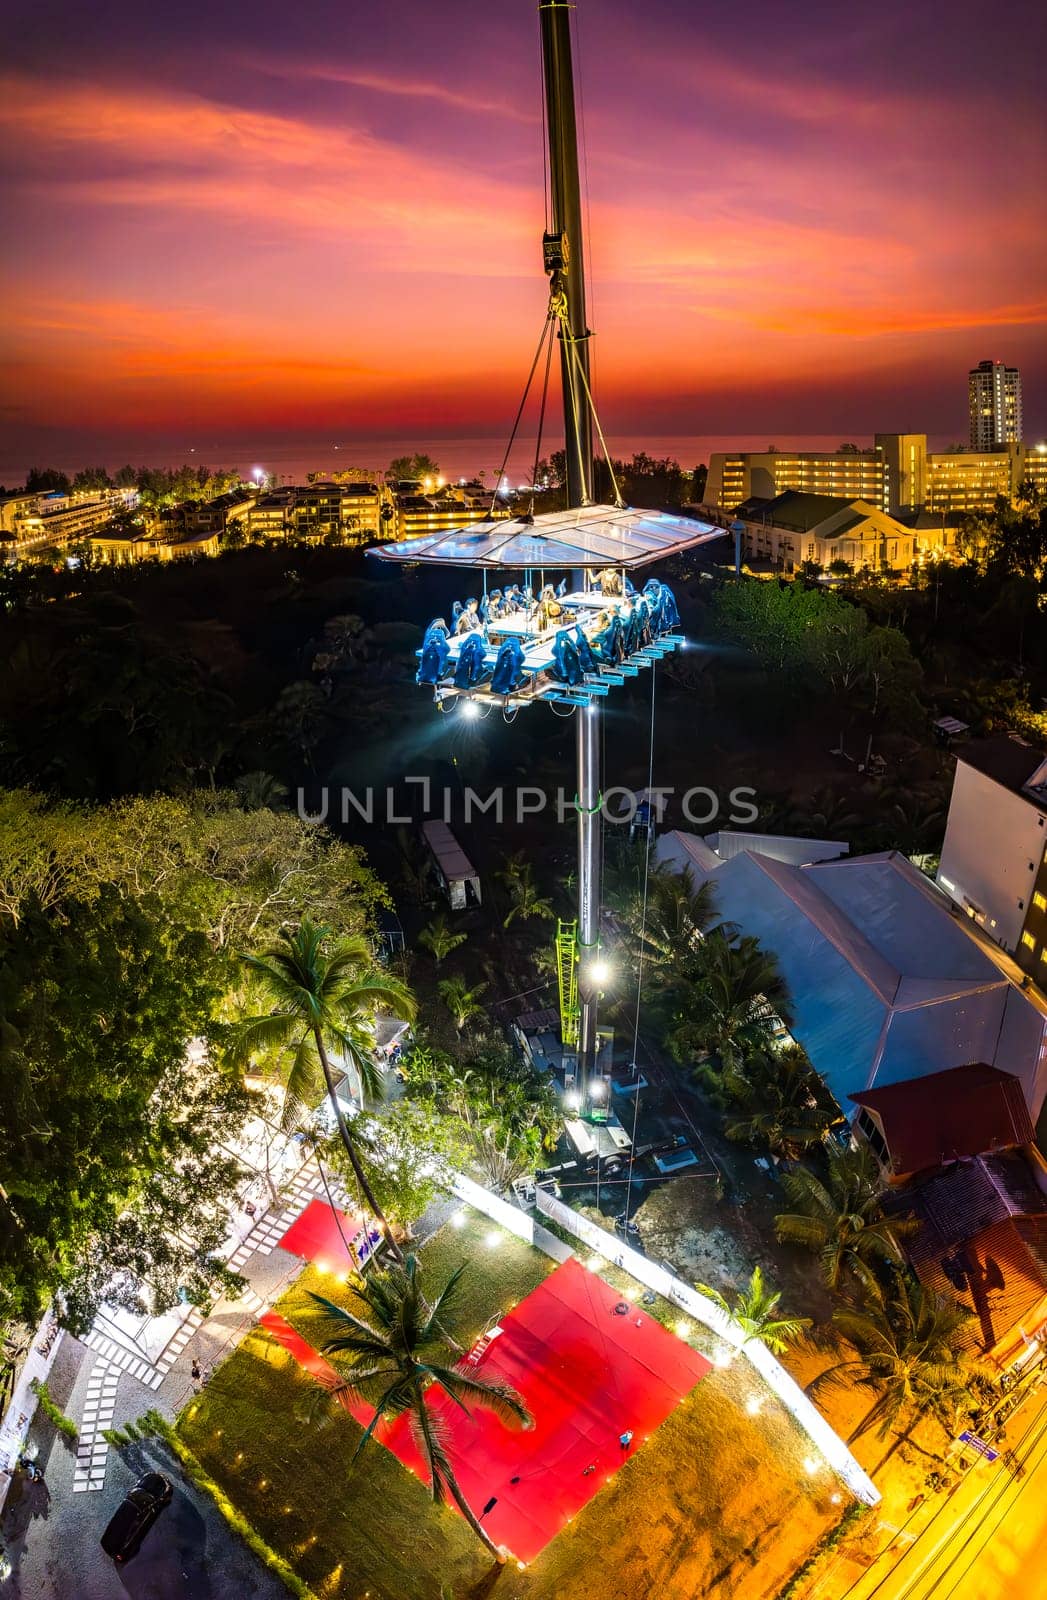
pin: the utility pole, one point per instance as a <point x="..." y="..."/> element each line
<point x="564" y="260"/>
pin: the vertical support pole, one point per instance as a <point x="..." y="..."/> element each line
<point x="589" y="861"/>
<point x="566" y="218"/>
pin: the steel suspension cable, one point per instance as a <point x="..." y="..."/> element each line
<point x="546" y="334"/>
<point x="541" y="409"/>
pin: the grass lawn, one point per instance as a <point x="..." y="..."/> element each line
<point x="714" y="1504"/>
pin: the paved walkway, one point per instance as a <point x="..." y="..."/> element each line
<point x="51" y="1531"/>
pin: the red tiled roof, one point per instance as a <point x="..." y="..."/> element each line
<point x="963" y="1111"/>
<point x="1000" y="1275"/>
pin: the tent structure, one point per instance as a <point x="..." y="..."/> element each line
<point x="886" y="982"/>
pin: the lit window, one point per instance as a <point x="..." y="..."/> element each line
<point x="1040" y="901"/>
<point x="1028" y="941"/>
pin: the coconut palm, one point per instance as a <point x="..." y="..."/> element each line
<point x="754" y="1310"/>
<point x="677" y="915"/>
<point x="440" y="938"/>
<point x="727" y="998"/>
<point x="260" y="791"/>
<point x="462" y="1002"/>
<point x="905" y="1343"/>
<point x="841" y="1218"/>
<point x="324" y="994"/>
<point x="527" y="902"/>
<point x="395" y="1355"/>
<point x="782" y="1103"/>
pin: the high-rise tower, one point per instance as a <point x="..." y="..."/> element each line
<point x="995" y="398"/>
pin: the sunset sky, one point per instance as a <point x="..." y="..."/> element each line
<point x="291" y="220"/>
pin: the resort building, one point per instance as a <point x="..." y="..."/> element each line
<point x="899" y="475"/>
<point x="994" y="858"/>
<point x="847" y="474"/>
<point x="782" y="534"/>
<point x="57" y="519"/>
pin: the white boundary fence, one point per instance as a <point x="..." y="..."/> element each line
<point x="708" y="1312"/>
<point x="507" y="1216"/>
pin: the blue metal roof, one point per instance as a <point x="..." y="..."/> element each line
<point x="886" y="984"/>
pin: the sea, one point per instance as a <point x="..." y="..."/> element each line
<point x="291" y="461"/>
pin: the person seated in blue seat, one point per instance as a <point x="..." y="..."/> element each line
<point x="606" y="639"/>
<point x="609" y="581"/>
<point x="548" y="613"/>
<point x="642" y="608"/>
<point x="585" y="654"/>
<point x="471" y="667"/>
<point x="630" y="619"/>
<point x="469" y="619"/>
<point x="664" y="614"/>
<point x="435" y="656"/>
<point x="495" y="605"/>
<point x="567" y="666"/>
<point x="508" y="669"/>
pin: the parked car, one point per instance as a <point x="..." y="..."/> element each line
<point x="132" y="1519"/>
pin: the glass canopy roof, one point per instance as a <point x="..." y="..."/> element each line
<point x="586" y="536"/>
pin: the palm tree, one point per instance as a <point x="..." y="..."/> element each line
<point x="677" y="916"/>
<point x="841" y="1217"/>
<point x="395" y="1354"/>
<point x="905" y="1345"/>
<point x="527" y="902"/>
<point x="325" y="994"/>
<point x="260" y="791"/>
<point x="754" y="1311"/>
<point x="729" y="994"/>
<point x="783" y="1104"/>
<point x="440" y="938"/>
<point x="462" y="1002"/>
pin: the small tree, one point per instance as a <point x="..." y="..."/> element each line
<point x="462" y="1002"/>
<point x="754" y="1310"/>
<point x="840" y="1217"/>
<point x="906" y="1345"/>
<point x="440" y="939"/>
<point x="395" y="1354"/>
<point x="527" y="902"/>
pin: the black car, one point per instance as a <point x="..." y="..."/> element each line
<point x="132" y="1520"/>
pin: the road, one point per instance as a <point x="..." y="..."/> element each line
<point x="189" y="1554"/>
<point x="985" y="1542"/>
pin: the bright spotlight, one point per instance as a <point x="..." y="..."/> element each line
<point x="682" y="1327"/>
<point x="458" y="1220"/>
<point x="810" y="1466"/>
<point x="492" y="1238"/>
<point x="599" y="971"/>
<point x="470" y="709"/>
<point x="754" y="1405"/>
<point x="597" y="1089"/>
<point x="572" y="1100"/>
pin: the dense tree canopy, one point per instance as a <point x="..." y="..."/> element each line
<point x="119" y="926"/>
<point x="97" y="1002"/>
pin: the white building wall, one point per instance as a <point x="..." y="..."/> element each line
<point x="994" y="841"/>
